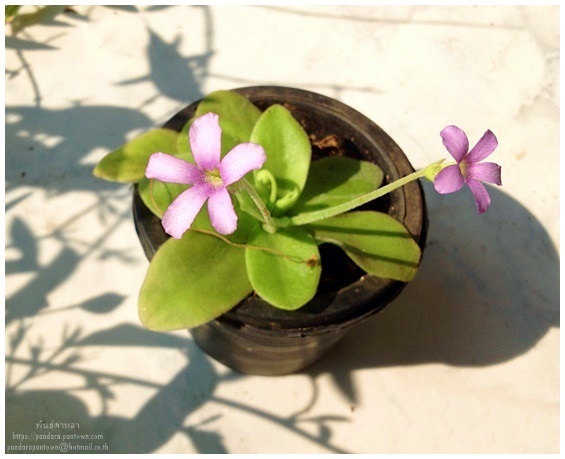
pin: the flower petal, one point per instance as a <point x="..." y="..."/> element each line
<point x="170" y="169"/>
<point x="183" y="210"/>
<point x="482" y="198"/>
<point x="205" y="136"/>
<point x="449" y="180"/>
<point x="486" y="172"/>
<point x="240" y="160"/>
<point x="485" y="146"/>
<point x="221" y="212"/>
<point x="456" y="142"/>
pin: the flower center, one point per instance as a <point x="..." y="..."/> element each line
<point x="214" y="178"/>
<point x="463" y="168"/>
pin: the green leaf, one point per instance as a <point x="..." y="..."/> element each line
<point x="378" y="243"/>
<point x="266" y="186"/>
<point x="10" y="12"/>
<point x="237" y="116"/>
<point x="191" y="281"/>
<point x="127" y="163"/>
<point x="157" y="196"/>
<point x="336" y="180"/>
<point x="288" y="154"/>
<point x="44" y="14"/>
<point x="284" y="267"/>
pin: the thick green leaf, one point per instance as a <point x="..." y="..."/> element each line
<point x="157" y="196"/>
<point x="288" y="154"/>
<point x="245" y="224"/>
<point x="41" y="15"/>
<point x="284" y="268"/>
<point x="191" y="281"/>
<point x="336" y="180"/>
<point x="237" y="116"/>
<point x="127" y="163"/>
<point x="11" y="12"/>
<point x="378" y="243"/>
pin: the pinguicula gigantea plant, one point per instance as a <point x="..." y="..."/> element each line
<point x="247" y="209"/>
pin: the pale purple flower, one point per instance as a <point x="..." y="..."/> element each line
<point x="209" y="177"/>
<point x="468" y="169"/>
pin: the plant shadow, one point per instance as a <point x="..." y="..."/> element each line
<point x="174" y="76"/>
<point x="162" y="416"/>
<point x="487" y="291"/>
<point x="144" y="432"/>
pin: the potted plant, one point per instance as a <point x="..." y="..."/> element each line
<point x="293" y="217"/>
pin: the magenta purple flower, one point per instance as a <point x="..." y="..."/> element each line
<point x="209" y="178"/>
<point x="469" y="169"/>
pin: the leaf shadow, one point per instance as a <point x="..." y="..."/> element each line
<point x="32" y="298"/>
<point x="183" y="394"/>
<point x="487" y="291"/>
<point x="22" y="44"/>
<point x="77" y="130"/>
<point x="163" y="414"/>
<point x="174" y="75"/>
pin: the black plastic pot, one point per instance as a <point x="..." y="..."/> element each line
<point x="257" y="338"/>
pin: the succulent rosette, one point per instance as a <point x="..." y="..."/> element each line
<point x="248" y="208"/>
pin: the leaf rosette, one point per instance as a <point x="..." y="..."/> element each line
<point x="203" y="274"/>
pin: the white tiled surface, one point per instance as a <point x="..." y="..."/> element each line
<point x="466" y="360"/>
